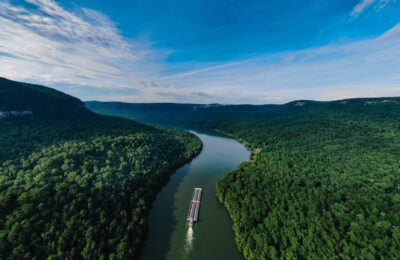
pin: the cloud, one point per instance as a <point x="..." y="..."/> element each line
<point x="361" y="6"/>
<point x="365" y="4"/>
<point x="83" y="53"/>
<point x="364" y="68"/>
<point x="384" y="3"/>
<point x="47" y="44"/>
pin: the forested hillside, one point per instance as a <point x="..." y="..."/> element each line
<point x="74" y="184"/>
<point x="323" y="182"/>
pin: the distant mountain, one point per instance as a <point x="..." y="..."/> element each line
<point x="142" y="112"/>
<point x="166" y="112"/>
<point x="213" y="115"/>
<point x="75" y="184"/>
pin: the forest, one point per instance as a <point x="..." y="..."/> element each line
<point x="75" y="184"/>
<point x="323" y="181"/>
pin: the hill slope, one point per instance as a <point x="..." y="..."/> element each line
<point x="42" y="101"/>
<point x="323" y="182"/>
<point x="74" y="184"/>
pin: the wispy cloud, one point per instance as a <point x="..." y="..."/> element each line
<point x="384" y="3"/>
<point x="52" y="45"/>
<point x="82" y="52"/>
<point x="366" y="4"/>
<point x="361" y="6"/>
<point x="364" y="68"/>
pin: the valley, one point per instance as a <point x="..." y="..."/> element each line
<point x="199" y="130"/>
<point x="323" y="180"/>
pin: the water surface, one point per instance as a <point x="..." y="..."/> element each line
<point x="169" y="235"/>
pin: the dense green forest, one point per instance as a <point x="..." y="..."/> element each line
<point x="75" y="184"/>
<point x="323" y="181"/>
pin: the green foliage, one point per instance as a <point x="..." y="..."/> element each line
<point x="87" y="198"/>
<point x="44" y="102"/>
<point x="74" y="184"/>
<point x="323" y="181"/>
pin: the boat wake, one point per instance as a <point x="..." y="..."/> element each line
<point x="189" y="240"/>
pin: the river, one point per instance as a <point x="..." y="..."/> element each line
<point x="169" y="236"/>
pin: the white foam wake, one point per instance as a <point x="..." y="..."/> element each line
<point x="189" y="240"/>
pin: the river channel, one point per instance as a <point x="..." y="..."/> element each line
<point x="169" y="235"/>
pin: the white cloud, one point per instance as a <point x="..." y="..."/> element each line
<point x="365" y="68"/>
<point x="49" y="44"/>
<point x="83" y="53"/>
<point x="384" y="3"/>
<point x="361" y="6"/>
<point x="365" y="4"/>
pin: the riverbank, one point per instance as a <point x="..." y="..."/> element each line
<point x="166" y="178"/>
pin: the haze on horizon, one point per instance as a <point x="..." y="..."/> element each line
<point x="204" y="52"/>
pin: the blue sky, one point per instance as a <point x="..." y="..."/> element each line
<point x="204" y="51"/>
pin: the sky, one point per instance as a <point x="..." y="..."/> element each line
<point x="204" y="51"/>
